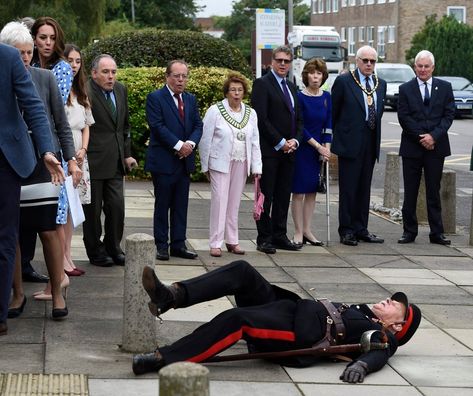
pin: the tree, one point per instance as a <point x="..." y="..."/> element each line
<point x="450" y="41"/>
<point x="239" y="26"/>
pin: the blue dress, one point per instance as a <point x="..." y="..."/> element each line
<point x="317" y="115"/>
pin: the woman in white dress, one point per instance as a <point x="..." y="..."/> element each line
<point x="80" y="118"/>
<point x="229" y="152"/>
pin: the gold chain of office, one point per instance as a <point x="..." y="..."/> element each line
<point x="234" y="123"/>
<point x="369" y="94"/>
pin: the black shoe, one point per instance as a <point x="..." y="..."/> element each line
<point x="370" y="238"/>
<point x="101" y="261"/>
<point x="119" y="259"/>
<point x="3" y="328"/>
<point x="15" y="312"/>
<point x="162" y="254"/>
<point x="147" y="363"/>
<point x="313" y="243"/>
<point x="162" y="297"/>
<point x="183" y="253"/>
<point x="298" y="245"/>
<point x="34" y="277"/>
<point x="349" y="240"/>
<point x="266" y="247"/>
<point x="59" y="313"/>
<point x="406" y="238"/>
<point x="439" y="239"/>
<point x="285" y="244"/>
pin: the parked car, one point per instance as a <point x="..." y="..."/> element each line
<point x="394" y="74"/>
<point x="463" y="93"/>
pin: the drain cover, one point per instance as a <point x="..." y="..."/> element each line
<point x="43" y="384"/>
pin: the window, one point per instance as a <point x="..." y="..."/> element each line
<point x="381" y="1"/>
<point x="344" y="3"/>
<point x="327" y="5"/>
<point x="321" y="7"/>
<point x="352" y="3"/>
<point x="369" y="1"/>
<point x="314" y="6"/>
<point x="343" y="34"/>
<point x="370" y="35"/>
<point x="392" y="1"/>
<point x="362" y="2"/>
<point x="351" y="41"/>
<point x="458" y="12"/>
<point x="361" y="34"/>
<point x="381" y="41"/>
<point x="391" y="34"/>
<point x="334" y="5"/>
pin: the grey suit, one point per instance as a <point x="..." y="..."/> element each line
<point x="109" y="145"/>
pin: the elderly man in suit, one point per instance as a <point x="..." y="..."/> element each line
<point x="280" y="127"/>
<point x="109" y="155"/>
<point x="17" y="158"/>
<point x="176" y="129"/>
<point x="357" y="108"/>
<point x="426" y="110"/>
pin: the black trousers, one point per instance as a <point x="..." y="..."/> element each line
<point x="412" y="172"/>
<point x="276" y="184"/>
<point x="354" y="178"/>
<point x="264" y="316"/>
<point x="106" y="195"/>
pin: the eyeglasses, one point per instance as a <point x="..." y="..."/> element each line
<point x="366" y="61"/>
<point x="178" y="76"/>
<point x="282" y="61"/>
<point x="236" y="90"/>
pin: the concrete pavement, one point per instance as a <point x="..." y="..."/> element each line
<point x="437" y="361"/>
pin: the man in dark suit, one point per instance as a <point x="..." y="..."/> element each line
<point x="17" y="158"/>
<point x="280" y="127"/>
<point x="109" y="155"/>
<point x="176" y="129"/>
<point x="357" y="108"/>
<point x="426" y="110"/>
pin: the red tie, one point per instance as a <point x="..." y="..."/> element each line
<point x="180" y="106"/>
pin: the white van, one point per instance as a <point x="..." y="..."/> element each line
<point x="394" y="74"/>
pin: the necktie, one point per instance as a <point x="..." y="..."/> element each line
<point x="110" y="103"/>
<point x="287" y="98"/>
<point x="426" y="95"/>
<point x="371" y="108"/>
<point x="180" y="106"/>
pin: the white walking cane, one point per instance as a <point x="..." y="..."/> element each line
<point x="327" y="199"/>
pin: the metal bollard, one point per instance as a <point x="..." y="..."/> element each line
<point x="139" y="326"/>
<point x="391" y="181"/>
<point x="448" y="198"/>
<point x="184" y="379"/>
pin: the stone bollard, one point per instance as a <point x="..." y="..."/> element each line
<point x="448" y="198"/>
<point x="184" y="379"/>
<point x="391" y="181"/>
<point x="139" y="326"/>
<point x="421" y="210"/>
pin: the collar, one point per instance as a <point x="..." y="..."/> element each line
<point x="278" y="78"/>
<point x="421" y="83"/>
<point x="172" y="92"/>
<point x="362" y="78"/>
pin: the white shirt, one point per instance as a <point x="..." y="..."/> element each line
<point x="179" y="144"/>
<point x="422" y="87"/>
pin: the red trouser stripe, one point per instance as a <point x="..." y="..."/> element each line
<point x="230" y="339"/>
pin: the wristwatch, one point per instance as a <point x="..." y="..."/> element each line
<point x="73" y="159"/>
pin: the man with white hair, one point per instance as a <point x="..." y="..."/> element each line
<point x="357" y="108"/>
<point x="426" y="110"/>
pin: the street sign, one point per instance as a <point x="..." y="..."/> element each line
<point x="270" y="28"/>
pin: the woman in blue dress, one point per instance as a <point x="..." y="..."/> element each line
<point x="316" y="106"/>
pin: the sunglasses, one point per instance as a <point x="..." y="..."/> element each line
<point x="366" y="61"/>
<point x="282" y="61"/>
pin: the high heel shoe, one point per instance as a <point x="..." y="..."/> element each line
<point x="44" y="296"/>
<point x="313" y="243"/>
<point x="74" y="272"/>
<point x="59" y="313"/>
<point x="216" y="252"/>
<point x="15" y="312"/>
<point x="235" y="249"/>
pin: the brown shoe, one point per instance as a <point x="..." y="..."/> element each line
<point x="216" y="252"/>
<point x="235" y="249"/>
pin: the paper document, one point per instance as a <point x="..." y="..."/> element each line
<point x="75" y="207"/>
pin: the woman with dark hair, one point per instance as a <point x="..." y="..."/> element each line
<point x="316" y="106"/>
<point x="80" y="117"/>
<point x="229" y="152"/>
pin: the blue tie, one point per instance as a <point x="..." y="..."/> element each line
<point x="426" y="95"/>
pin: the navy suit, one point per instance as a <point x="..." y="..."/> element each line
<point x="170" y="174"/>
<point x="17" y="155"/>
<point x="416" y="119"/>
<point x="357" y="148"/>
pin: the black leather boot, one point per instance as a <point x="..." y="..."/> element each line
<point x="147" y="363"/>
<point x="162" y="297"/>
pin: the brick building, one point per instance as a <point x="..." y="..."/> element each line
<point x="387" y="25"/>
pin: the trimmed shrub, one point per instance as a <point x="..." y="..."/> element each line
<point x="152" y="47"/>
<point x="206" y="83"/>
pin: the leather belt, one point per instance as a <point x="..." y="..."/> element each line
<point x="334" y="319"/>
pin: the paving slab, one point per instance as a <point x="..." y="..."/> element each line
<point x="256" y="259"/>
<point x="378" y="261"/>
<point x="431" y="391"/>
<point x="465" y="336"/>
<point x="307" y="275"/>
<point x="350" y="293"/>
<point x="449" y="316"/>
<point x="432" y="294"/>
<point x="318" y="257"/>
<point x="202" y="312"/>
<point x="458" y="277"/>
<point x="123" y="387"/>
<point x="240" y="388"/>
<point x="358" y="390"/>
<point x="443" y="262"/>
<point x="169" y="272"/>
<point x="21" y="358"/>
<point x="405" y="276"/>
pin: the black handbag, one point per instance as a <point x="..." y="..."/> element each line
<point x="322" y="186"/>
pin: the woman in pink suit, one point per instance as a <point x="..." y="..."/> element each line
<point x="229" y="152"/>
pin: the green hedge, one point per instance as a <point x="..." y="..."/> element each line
<point x="152" y="47"/>
<point x="205" y="83"/>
